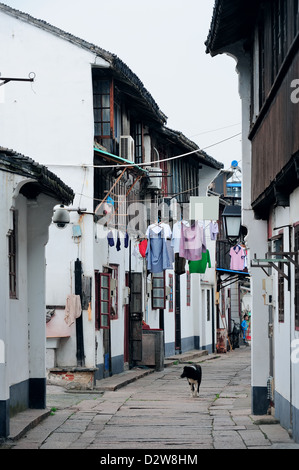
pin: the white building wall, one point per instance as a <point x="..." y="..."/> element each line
<point x="23" y="319"/>
<point x="294" y="218"/>
<point x="286" y="368"/>
<point x="51" y="120"/>
<point x="13" y="313"/>
<point x="18" y="353"/>
<point x="256" y="242"/>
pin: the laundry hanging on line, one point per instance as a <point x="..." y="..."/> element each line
<point x="73" y="309"/>
<point x="238" y="258"/>
<point x="201" y="265"/>
<point x="214" y="230"/>
<point x="157" y="255"/>
<point x="192" y="242"/>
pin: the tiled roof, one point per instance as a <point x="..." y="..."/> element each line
<point x="117" y="64"/>
<point x="179" y="138"/>
<point x="231" y="22"/>
<point x="46" y="181"/>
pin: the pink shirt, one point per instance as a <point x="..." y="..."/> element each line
<point x="237" y="258"/>
<point x="192" y="242"/>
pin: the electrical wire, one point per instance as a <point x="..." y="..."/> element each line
<point x="215" y="130"/>
<point x="132" y="165"/>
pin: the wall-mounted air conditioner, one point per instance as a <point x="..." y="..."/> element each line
<point x="155" y="176"/>
<point x="127" y="147"/>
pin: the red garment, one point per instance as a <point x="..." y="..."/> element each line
<point x="142" y="248"/>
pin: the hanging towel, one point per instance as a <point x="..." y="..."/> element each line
<point x="72" y="309"/>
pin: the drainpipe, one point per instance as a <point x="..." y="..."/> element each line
<point x="79" y="321"/>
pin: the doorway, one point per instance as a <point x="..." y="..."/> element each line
<point x="126" y="328"/>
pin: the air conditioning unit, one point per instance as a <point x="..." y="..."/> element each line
<point x="127" y="147"/>
<point x="155" y="176"/>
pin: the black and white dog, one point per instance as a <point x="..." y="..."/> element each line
<point x="193" y="375"/>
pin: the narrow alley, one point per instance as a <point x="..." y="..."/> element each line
<point x="158" y="412"/>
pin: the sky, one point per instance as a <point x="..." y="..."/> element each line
<point x="162" y="41"/>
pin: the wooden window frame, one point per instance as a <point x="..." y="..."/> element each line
<point x="296" y="18"/>
<point x="208" y="303"/>
<point x="112" y="270"/>
<point x="154" y="288"/>
<point x="261" y="52"/>
<point x="279" y="35"/>
<point x="101" y="108"/>
<point x="138" y="137"/>
<point x="99" y="300"/>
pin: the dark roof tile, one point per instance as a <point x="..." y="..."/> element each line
<point x="47" y="181"/>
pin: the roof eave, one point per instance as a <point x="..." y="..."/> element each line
<point x="49" y="183"/>
<point x="231" y="22"/>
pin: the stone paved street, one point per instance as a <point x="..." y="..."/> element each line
<point x="158" y="412"/>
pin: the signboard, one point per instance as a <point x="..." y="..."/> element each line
<point x="204" y="208"/>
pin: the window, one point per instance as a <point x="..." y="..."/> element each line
<point x="138" y="143"/>
<point x="12" y="259"/>
<point x="188" y="289"/>
<point x="261" y="40"/>
<point x="296" y="17"/>
<point x="208" y="305"/>
<point x="158" y="290"/>
<point x="103" y="300"/>
<point x="103" y="182"/>
<point x="170" y="298"/>
<point x="112" y="270"/>
<point x="297" y="280"/>
<point x="103" y="111"/>
<point x="279" y="35"/>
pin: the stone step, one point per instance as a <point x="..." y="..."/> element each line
<point x="189" y="356"/>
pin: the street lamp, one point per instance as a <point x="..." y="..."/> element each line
<point x="232" y="222"/>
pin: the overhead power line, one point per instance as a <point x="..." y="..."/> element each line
<point x="146" y="163"/>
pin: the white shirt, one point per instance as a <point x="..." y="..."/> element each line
<point x="156" y="228"/>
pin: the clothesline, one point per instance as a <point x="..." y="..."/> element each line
<point x="166" y="248"/>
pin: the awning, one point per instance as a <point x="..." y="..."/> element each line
<point x="232" y="276"/>
<point x="273" y="257"/>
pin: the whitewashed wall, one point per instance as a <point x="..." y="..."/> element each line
<point x="51" y="120"/>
